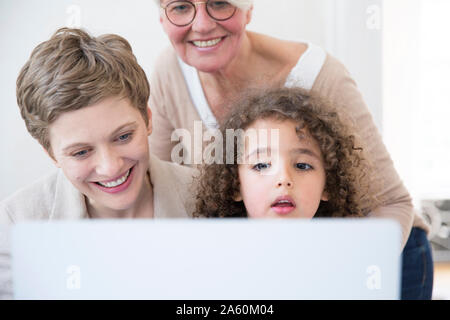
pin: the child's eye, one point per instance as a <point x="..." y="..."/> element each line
<point x="303" y="166"/>
<point x="261" y="166"/>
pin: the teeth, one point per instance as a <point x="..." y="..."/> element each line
<point x="283" y="203"/>
<point x="205" y="44"/>
<point x="116" y="183"/>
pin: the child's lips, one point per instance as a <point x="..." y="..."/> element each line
<point x="283" y="205"/>
<point x="283" y="201"/>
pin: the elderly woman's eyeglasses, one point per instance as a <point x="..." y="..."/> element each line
<point x="182" y="13"/>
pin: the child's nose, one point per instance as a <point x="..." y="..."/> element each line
<point x="284" y="178"/>
<point x="285" y="183"/>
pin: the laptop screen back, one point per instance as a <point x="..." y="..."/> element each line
<point x="207" y="259"/>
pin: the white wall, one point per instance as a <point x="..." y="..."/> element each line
<point x="417" y="94"/>
<point x="338" y="26"/>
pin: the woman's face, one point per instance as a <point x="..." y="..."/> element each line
<point x="206" y="44"/>
<point x="103" y="151"/>
<point x="282" y="176"/>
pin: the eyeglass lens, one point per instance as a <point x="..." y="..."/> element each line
<point x="182" y="13"/>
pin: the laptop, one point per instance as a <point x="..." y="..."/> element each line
<point x="207" y="259"/>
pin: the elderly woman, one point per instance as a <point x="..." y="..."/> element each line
<point x="213" y="58"/>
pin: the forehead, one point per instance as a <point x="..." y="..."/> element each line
<point x="280" y="134"/>
<point x="96" y="121"/>
<point x="286" y="128"/>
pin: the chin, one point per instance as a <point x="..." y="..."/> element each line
<point x="208" y="69"/>
<point x="209" y="64"/>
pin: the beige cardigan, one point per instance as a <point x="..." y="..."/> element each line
<point x="172" y="108"/>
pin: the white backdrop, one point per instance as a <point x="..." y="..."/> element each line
<point x="348" y="29"/>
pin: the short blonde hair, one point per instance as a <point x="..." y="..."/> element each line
<point x="73" y="70"/>
<point x="241" y="4"/>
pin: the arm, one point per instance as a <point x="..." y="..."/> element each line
<point x="335" y="84"/>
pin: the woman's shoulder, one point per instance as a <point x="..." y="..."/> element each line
<point x="166" y="62"/>
<point x="175" y="185"/>
<point x="166" y="76"/>
<point x="171" y="172"/>
<point x="31" y="201"/>
<point x="51" y="197"/>
<point x="333" y="71"/>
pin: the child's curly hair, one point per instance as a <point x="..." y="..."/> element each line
<point x="347" y="178"/>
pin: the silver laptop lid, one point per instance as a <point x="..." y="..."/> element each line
<point x="207" y="259"/>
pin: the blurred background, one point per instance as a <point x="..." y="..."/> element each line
<point x="396" y="50"/>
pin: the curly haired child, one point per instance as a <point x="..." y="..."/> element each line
<point x="310" y="168"/>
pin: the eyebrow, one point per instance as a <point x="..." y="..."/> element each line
<point x="258" y="151"/>
<point x="305" y="151"/>
<point x="83" y="144"/>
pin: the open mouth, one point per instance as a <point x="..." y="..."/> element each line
<point x="117" y="182"/>
<point x="283" y="205"/>
<point x="208" y="43"/>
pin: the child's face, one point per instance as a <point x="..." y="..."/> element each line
<point x="103" y="151"/>
<point x="284" y="178"/>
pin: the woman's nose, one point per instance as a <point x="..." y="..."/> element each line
<point x="202" y="23"/>
<point x="109" y="163"/>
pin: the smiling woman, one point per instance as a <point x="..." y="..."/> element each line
<point x="108" y="162"/>
<point x="85" y="100"/>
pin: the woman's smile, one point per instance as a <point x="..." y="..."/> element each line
<point x="207" y="43"/>
<point x="116" y="185"/>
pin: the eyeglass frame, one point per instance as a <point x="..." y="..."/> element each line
<point x="194" y="4"/>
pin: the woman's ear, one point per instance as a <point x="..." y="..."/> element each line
<point x="237" y="197"/>
<point x="149" y="126"/>
<point x="249" y="15"/>
<point x="324" y="196"/>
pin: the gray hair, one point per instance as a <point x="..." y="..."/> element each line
<point x="241" y="4"/>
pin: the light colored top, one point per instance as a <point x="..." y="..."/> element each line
<point x="173" y="107"/>
<point x="302" y="75"/>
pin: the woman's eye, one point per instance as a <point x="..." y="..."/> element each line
<point x="124" y="137"/>
<point x="303" y="166"/>
<point x="80" y="154"/>
<point x="219" y="5"/>
<point x="261" y="166"/>
<point x="181" y="8"/>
